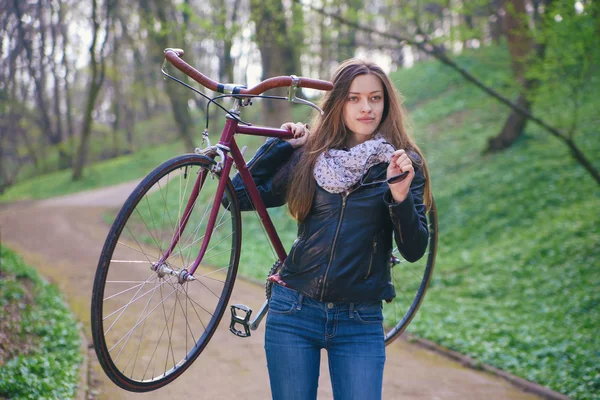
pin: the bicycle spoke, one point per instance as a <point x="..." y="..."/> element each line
<point x="136" y="325"/>
<point x="138" y="250"/>
<point x="141" y="336"/>
<point x="147" y="228"/>
<point x="124" y="291"/>
<point x="214" y="229"/>
<point x="154" y="322"/>
<point x="124" y="308"/>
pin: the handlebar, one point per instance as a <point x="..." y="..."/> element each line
<point x="174" y="57"/>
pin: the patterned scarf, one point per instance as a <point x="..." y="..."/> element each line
<point x="338" y="170"/>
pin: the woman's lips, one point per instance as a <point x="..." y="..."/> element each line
<point x="366" y="119"/>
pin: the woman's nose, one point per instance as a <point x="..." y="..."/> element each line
<point x="365" y="106"/>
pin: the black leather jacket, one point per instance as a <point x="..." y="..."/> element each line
<point x="343" y="248"/>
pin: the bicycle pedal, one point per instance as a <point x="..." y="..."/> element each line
<point x="242" y="319"/>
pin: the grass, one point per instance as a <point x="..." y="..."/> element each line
<point x="517" y="274"/>
<point x="517" y="277"/>
<point x="40" y="357"/>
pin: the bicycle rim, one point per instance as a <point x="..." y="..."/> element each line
<point x="148" y="327"/>
<point x="410" y="281"/>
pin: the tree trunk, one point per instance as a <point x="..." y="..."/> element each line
<point x="520" y="46"/>
<point x="347" y="43"/>
<point x="130" y="123"/>
<point x="37" y="71"/>
<point x="276" y="54"/>
<point x="495" y="22"/>
<point x="178" y="95"/>
<point x="86" y="130"/>
<point x="512" y="129"/>
<point x="97" y="67"/>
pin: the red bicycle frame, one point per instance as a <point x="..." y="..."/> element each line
<point x="227" y="144"/>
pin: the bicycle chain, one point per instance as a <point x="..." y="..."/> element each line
<point x="269" y="284"/>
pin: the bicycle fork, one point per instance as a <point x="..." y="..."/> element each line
<point x="161" y="267"/>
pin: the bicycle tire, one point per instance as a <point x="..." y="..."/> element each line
<point x="410" y="278"/>
<point x="134" y="355"/>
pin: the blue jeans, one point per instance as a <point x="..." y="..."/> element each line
<point x="299" y="327"/>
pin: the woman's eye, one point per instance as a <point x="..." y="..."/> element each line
<point x="376" y="98"/>
<point x="352" y="99"/>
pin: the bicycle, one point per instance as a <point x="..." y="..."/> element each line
<point x="169" y="264"/>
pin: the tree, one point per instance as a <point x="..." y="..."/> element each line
<point x="166" y="27"/>
<point x="521" y="47"/>
<point x="279" y="50"/>
<point x="41" y="65"/>
<point x="97" y="52"/>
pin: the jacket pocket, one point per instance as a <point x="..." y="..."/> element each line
<point x="373" y="252"/>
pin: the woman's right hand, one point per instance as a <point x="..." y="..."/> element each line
<point x="300" y="132"/>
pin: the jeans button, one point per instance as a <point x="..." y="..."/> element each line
<point x="329" y="305"/>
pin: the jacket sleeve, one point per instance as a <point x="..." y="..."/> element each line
<point x="409" y="219"/>
<point x="265" y="164"/>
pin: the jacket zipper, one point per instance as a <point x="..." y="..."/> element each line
<point x="337" y="231"/>
<point x="294" y="252"/>
<point x="295" y="248"/>
<point x="372" y="255"/>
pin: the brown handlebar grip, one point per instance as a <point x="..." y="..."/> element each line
<point x="173" y="56"/>
<point x="315" y="84"/>
<point x="286" y="81"/>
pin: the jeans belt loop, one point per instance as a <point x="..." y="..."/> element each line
<point x="300" y="299"/>
<point x="351" y="310"/>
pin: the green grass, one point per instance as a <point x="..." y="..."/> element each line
<point x="517" y="277"/>
<point x="105" y="173"/>
<point x="43" y="350"/>
<point x="517" y="274"/>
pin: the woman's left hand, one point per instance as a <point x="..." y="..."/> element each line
<point x="400" y="163"/>
<point x="300" y="132"/>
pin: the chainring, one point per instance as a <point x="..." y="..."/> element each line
<point x="269" y="284"/>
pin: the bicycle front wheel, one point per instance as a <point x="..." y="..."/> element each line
<point x="149" y="325"/>
<point x="410" y="281"/>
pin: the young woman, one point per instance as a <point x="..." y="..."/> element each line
<point x="329" y="291"/>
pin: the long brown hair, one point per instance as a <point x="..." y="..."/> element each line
<point x="328" y="131"/>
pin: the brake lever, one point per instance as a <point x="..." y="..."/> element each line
<point x="292" y="98"/>
<point x="298" y="100"/>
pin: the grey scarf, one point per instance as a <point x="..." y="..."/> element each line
<point x="338" y="170"/>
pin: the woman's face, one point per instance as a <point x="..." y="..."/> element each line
<point x="363" y="108"/>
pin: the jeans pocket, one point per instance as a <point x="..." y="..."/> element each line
<point x="369" y="315"/>
<point x="279" y="305"/>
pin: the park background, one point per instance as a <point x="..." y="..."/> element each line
<point x="503" y="97"/>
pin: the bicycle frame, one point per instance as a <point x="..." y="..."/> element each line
<point x="226" y="145"/>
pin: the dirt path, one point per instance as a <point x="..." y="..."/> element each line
<point x="62" y="237"/>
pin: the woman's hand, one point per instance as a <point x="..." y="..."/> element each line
<point x="300" y="132"/>
<point x="400" y="163"/>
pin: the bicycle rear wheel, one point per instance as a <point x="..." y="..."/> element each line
<point x="148" y="326"/>
<point x="411" y="281"/>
